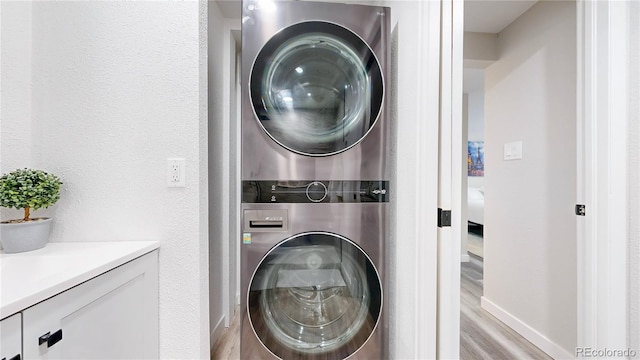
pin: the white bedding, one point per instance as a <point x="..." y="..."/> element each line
<point x="475" y="205"/>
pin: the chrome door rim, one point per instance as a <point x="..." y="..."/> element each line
<point x="375" y="70"/>
<point x="340" y="348"/>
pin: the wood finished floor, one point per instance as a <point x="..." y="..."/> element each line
<point x="481" y="335"/>
<point x="228" y="345"/>
<point x="474" y="245"/>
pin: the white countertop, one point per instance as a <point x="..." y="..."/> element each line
<point x="30" y="277"/>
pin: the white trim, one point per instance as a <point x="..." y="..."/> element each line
<point x="226" y="114"/>
<point x="216" y="332"/>
<point x="585" y="229"/>
<point x="424" y="343"/>
<point x="618" y="232"/>
<point x="235" y="154"/>
<point x="229" y="190"/>
<point x="458" y="146"/>
<point x="602" y="174"/>
<point x="450" y="178"/>
<point x="414" y="109"/>
<point x="529" y="333"/>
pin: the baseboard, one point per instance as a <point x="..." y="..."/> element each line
<point x="216" y="332"/>
<point x="465" y="258"/>
<point x="545" y="344"/>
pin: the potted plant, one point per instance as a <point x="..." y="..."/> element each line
<point x="27" y="189"/>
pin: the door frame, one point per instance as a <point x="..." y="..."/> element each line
<point x="230" y="160"/>
<point x="602" y="174"/>
<point x="450" y="178"/>
<point x="602" y="235"/>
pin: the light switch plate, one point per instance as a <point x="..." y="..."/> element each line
<point x="513" y="150"/>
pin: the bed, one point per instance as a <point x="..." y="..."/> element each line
<point x="475" y="205"/>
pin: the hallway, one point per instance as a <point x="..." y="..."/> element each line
<point x="482" y="336"/>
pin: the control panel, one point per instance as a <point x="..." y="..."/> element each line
<point x="315" y="191"/>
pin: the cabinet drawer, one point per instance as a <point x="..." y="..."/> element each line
<point x="11" y="337"/>
<point x="112" y="316"/>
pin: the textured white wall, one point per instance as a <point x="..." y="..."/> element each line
<point x="530" y="238"/>
<point x="15" y="87"/>
<point x="116" y="90"/>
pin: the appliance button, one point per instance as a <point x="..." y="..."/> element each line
<point x="316" y="191"/>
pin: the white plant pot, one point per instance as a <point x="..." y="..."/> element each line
<point x="26" y="236"/>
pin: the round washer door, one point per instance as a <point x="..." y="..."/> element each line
<point x="316" y="88"/>
<point x="315" y="295"/>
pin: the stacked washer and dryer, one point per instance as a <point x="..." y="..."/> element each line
<point x="315" y="170"/>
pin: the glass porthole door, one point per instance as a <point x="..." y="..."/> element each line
<point x="315" y="295"/>
<point x="316" y="88"/>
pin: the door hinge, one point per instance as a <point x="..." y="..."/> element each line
<point x="444" y="218"/>
<point x="581" y="210"/>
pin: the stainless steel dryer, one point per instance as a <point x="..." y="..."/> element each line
<point x="313" y="91"/>
<point x="313" y="274"/>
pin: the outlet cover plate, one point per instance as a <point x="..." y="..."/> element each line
<point x="175" y="172"/>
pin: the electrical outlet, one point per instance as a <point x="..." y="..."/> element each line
<point x="175" y="172"/>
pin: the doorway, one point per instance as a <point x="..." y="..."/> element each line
<point x="527" y="268"/>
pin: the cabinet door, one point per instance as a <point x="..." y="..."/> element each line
<point x="11" y="338"/>
<point x="113" y="316"/>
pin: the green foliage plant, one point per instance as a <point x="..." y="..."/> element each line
<point x="29" y="189"/>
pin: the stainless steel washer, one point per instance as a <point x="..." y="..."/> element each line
<point x="313" y="274"/>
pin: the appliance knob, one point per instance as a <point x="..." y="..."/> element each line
<point x="316" y="191"/>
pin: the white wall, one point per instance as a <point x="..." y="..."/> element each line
<point x="464" y="185"/>
<point x="480" y="49"/>
<point x="115" y="91"/>
<point x="15" y="87"/>
<point x="476" y="127"/>
<point x="530" y="238"/>
<point x="476" y="115"/>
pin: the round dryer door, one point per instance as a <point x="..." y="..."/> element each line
<point x="315" y="295"/>
<point x="316" y="88"/>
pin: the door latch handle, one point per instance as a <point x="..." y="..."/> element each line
<point x="50" y="339"/>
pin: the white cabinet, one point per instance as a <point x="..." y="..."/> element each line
<point x="113" y="316"/>
<point x="10" y="338"/>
